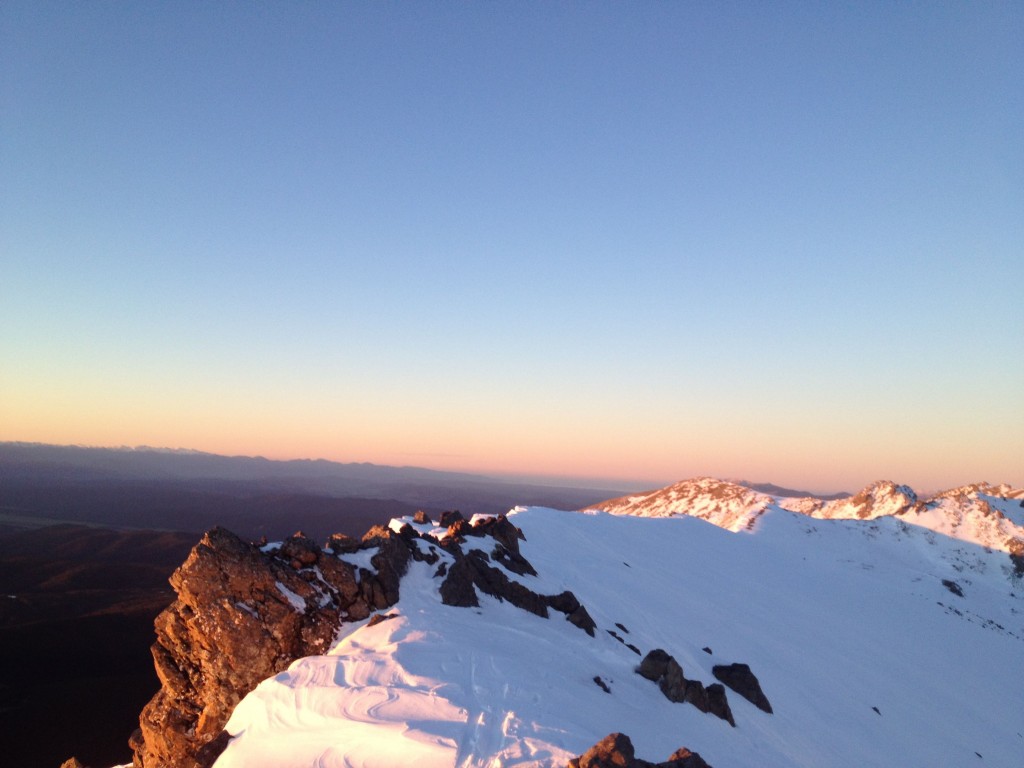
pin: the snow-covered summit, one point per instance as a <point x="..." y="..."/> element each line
<point x="725" y="504"/>
<point x="981" y="513"/>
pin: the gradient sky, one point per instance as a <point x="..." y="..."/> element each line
<point x="630" y="241"/>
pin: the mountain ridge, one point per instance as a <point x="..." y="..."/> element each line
<point x="516" y="641"/>
<point x="982" y="513"/>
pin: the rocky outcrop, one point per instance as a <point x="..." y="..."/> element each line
<point x="472" y="570"/>
<point x="616" y="751"/>
<point x="661" y="668"/>
<point x="243" y="613"/>
<point x="739" y="678"/>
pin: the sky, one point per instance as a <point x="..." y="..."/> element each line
<point x="628" y="241"/>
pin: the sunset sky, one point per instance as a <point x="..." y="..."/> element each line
<point x="619" y="241"/>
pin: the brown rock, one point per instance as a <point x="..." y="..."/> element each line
<point x="300" y="551"/>
<point x="613" y="751"/>
<point x="616" y="751"/>
<point x="450" y="516"/>
<point x="340" y="544"/>
<point x="242" y="615"/>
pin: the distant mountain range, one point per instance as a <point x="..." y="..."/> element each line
<point x="253" y="496"/>
<point x="982" y="513"/>
<point x="777" y="490"/>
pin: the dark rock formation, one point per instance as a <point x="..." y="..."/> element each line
<point x="674" y="685"/>
<point x="654" y="664"/>
<point x="472" y="570"/>
<point x="449" y="517"/>
<point x="740" y="679"/>
<point x="580" y="618"/>
<point x="660" y="667"/>
<point x="616" y="751"/>
<point x="457" y="587"/>
<point x="953" y="587"/>
<point x="718" y="703"/>
<point x="1017" y="561"/>
<point x="684" y="758"/>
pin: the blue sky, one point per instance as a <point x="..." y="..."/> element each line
<point x="632" y="241"/>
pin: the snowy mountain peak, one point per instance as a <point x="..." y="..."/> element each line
<point x="877" y="500"/>
<point x="723" y="503"/>
<point x="980" y="513"/>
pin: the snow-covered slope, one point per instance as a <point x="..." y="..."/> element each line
<point x="853" y="628"/>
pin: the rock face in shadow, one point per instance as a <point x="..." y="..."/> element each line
<point x="660" y="667"/>
<point x="739" y="678"/>
<point x="242" y="614"/>
<point x="473" y="570"/>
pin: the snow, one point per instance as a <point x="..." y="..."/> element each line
<point x="835" y="617"/>
<point x="296" y="601"/>
<point x="360" y="559"/>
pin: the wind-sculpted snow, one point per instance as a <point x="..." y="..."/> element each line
<point x="867" y="656"/>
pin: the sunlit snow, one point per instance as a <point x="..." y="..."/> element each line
<point x="837" y="619"/>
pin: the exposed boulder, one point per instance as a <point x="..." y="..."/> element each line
<point x="616" y="751"/>
<point x="243" y="613"/>
<point x="564" y="602"/>
<point x="654" y="664"/>
<point x="449" y="517"/>
<point x="660" y="667"/>
<point x="457" y="588"/>
<point x="300" y="551"/>
<point x="473" y="570"/>
<point x="613" y="751"/>
<point x="674" y="685"/>
<point x="340" y="543"/>
<point x="513" y="561"/>
<point x="580" y="618"/>
<point x="718" y="703"/>
<point x="740" y="679"/>
<point x="953" y="587"/>
<point x="684" y="758"/>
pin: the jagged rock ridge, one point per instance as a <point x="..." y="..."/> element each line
<point x="245" y="612"/>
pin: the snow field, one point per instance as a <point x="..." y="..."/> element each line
<point x="835" y="617"/>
